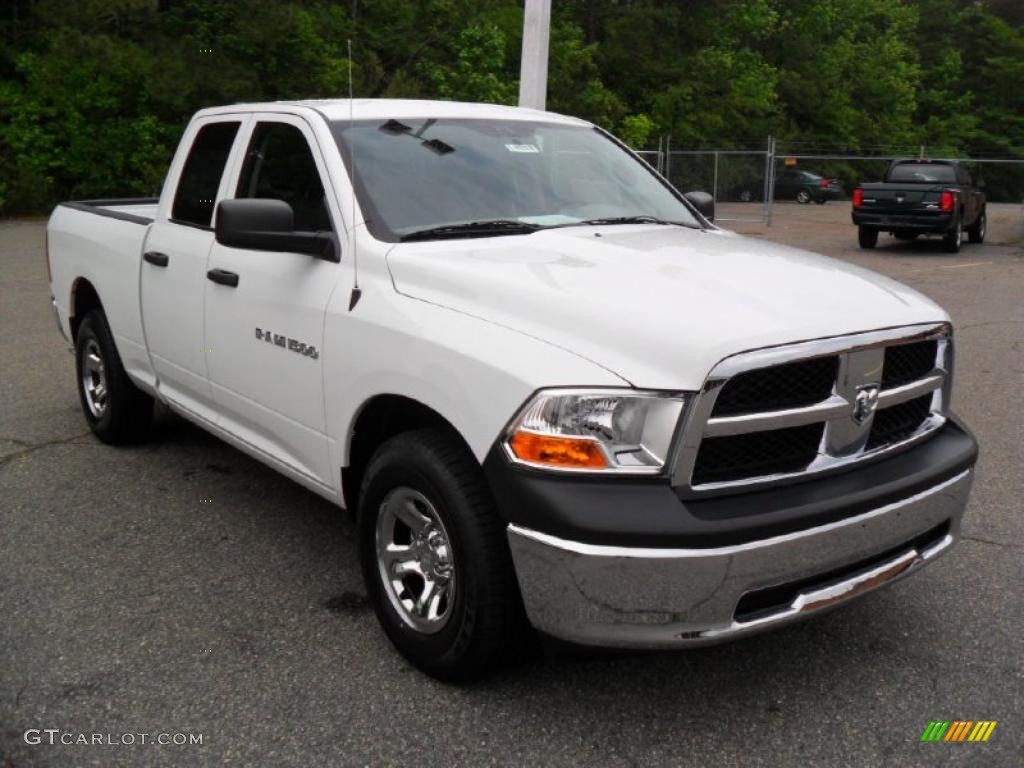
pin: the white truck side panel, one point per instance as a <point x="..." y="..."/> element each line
<point x="106" y="252"/>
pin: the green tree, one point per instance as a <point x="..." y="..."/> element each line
<point x="478" y="72"/>
<point x="848" y="73"/>
<point x="94" y="93"/>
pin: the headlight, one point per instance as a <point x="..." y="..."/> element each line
<point x="614" y="430"/>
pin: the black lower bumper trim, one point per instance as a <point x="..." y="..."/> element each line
<point x="921" y="223"/>
<point x="649" y="513"/>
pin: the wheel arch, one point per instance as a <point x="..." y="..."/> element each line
<point x="378" y="419"/>
<point x="84" y="298"/>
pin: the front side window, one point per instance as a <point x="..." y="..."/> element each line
<point x="419" y="174"/>
<point x="279" y="165"/>
<point x="200" y="178"/>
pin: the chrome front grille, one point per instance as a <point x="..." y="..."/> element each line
<point x="782" y="413"/>
<point x="789" y="385"/>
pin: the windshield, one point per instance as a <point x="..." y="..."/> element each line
<point x="923" y="172"/>
<point x="417" y="175"/>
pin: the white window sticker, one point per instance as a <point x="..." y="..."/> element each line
<point x="527" y="148"/>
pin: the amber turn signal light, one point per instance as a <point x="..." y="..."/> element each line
<point x="558" y="451"/>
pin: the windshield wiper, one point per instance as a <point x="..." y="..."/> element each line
<point x="641" y="219"/>
<point x="472" y="229"/>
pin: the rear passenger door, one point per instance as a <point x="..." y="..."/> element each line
<point x="265" y="334"/>
<point x="173" y="271"/>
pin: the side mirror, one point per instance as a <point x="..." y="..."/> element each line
<point x="260" y="224"/>
<point x="703" y="202"/>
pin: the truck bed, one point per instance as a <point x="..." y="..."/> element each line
<point x="903" y="205"/>
<point x="897" y="197"/>
<point x="99" y="242"/>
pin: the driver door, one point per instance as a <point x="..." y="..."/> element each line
<point x="265" y="320"/>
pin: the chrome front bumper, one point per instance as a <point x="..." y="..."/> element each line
<point x="659" y="598"/>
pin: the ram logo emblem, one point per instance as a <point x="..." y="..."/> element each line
<point x="865" y="403"/>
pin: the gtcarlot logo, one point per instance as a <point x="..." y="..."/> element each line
<point x="54" y="736"/>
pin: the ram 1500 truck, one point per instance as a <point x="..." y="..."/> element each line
<point x="549" y="388"/>
<point x="921" y="197"/>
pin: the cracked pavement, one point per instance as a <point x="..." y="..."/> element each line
<point x="130" y="604"/>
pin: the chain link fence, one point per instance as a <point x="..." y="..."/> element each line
<point x="748" y="183"/>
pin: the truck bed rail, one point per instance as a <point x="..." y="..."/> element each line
<point x="115" y="208"/>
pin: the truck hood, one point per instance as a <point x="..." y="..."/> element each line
<point x="657" y="305"/>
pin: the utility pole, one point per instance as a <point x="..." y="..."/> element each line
<point x="533" y="69"/>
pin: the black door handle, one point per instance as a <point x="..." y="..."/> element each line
<point x="223" y="277"/>
<point x="156" y="258"/>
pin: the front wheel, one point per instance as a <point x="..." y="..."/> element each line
<point x="117" y="411"/>
<point x="803" y="197"/>
<point x="976" y="232"/>
<point x="435" y="557"/>
<point x="867" y="237"/>
<point x="954" y="238"/>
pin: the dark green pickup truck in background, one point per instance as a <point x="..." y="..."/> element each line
<point x="921" y="197"/>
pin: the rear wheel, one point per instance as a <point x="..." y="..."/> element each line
<point x="435" y="558"/>
<point x="976" y="232"/>
<point x="803" y="197"/>
<point x="867" y="237"/>
<point x="117" y="411"/>
<point x="954" y="238"/>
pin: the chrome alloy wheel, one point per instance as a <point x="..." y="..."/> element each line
<point x="415" y="560"/>
<point x="94" y="379"/>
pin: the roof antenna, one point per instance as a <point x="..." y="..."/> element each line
<point x="356" y="290"/>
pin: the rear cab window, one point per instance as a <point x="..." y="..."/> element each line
<point x="918" y="173"/>
<point x="200" y="178"/>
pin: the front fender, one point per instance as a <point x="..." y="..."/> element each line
<point x="474" y="373"/>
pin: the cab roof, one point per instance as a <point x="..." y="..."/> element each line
<point x="384" y="109"/>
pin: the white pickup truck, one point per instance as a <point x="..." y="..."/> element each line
<point x="551" y="390"/>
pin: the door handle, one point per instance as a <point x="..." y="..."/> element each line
<point x="156" y="258"/>
<point x="223" y="277"/>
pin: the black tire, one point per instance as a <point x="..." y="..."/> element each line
<point x="803" y="197"/>
<point x="867" y="237"/>
<point x="123" y="413"/>
<point x="954" y="238"/>
<point x="484" y="620"/>
<point x="976" y="232"/>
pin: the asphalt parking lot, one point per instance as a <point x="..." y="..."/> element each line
<point x="179" y="587"/>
